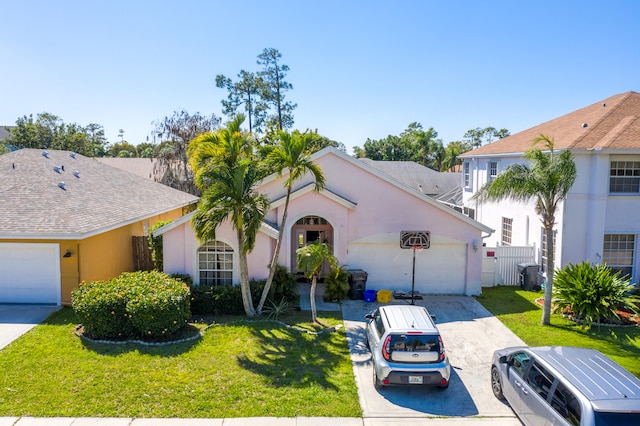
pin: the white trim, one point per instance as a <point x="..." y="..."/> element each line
<point x="309" y="188"/>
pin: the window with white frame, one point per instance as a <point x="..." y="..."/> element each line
<point x="624" y="177"/>
<point x="618" y="252"/>
<point x="507" y="231"/>
<point x="466" y="174"/>
<point x="469" y="212"/>
<point x="492" y="171"/>
<point x="215" y="263"/>
<point x="544" y="251"/>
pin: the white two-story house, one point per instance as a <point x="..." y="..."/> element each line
<point x="599" y="221"/>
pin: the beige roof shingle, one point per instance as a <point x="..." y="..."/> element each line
<point x="98" y="199"/>
<point x="612" y="123"/>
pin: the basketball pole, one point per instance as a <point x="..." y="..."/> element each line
<point x="413" y="277"/>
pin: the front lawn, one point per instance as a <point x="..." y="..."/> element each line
<point x="518" y="310"/>
<point x="240" y="368"/>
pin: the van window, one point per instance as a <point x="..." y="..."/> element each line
<point x="519" y="362"/>
<point x="540" y="380"/>
<point x="566" y="404"/>
<point x="616" y="419"/>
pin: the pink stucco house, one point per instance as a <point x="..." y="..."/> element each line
<point x="361" y="214"/>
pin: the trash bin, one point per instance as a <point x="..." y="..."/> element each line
<point x="528" y="276"/>
<point x="357" y="283"/>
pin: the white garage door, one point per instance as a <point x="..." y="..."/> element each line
<point x="29" y="273"/>
<point x="440" y="269"/>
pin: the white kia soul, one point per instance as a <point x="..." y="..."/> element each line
<point x="406" y="347"/>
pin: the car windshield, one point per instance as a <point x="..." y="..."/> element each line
<point x="616" y="419"/>
<point x="414" y="343"/>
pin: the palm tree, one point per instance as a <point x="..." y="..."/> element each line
<point x="547" y="181"/>
<point x="290" y="154"/>
<point x="226" y="173"/>
<point x="310" y="260"/>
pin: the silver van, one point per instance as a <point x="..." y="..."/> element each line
<point x="406" y="347"/>
<point x="560" y="385"/>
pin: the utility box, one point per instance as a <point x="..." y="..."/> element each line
<point x="357" y="283"/>
<point x="528" y="276"/>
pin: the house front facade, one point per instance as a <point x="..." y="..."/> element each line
<point x="65" y="219"/>
<point x="360" y="214"/>
<point x="599" y="220"/>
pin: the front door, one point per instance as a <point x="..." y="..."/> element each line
<point x="307" y="230"/>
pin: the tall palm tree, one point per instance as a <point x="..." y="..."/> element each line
<point x="226" y="173"/>
<point x="290" y="154"/>
<point x="547" y="181"/>
<point x="310" y="260"/>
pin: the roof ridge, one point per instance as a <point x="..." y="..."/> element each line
<point x="604" y="116"/>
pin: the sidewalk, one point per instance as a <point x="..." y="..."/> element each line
<point x="257" y="421"/>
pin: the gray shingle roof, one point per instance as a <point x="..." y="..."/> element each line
<point x="417" y="176"/>
<point x="32" y="205"/>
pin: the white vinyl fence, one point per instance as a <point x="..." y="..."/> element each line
<point x="499" y="264"/>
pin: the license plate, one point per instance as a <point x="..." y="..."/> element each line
<point x="416" y="380"/>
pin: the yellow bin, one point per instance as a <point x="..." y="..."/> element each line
<point x="384" y="296"/>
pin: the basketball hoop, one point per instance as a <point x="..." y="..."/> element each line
<point x="418" y="248"/>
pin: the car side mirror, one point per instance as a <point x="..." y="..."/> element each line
<point x="502" y="359"/>
<point x="433" y="317"/>
<point x="369" y="316"/>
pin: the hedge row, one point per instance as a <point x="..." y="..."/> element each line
<point x="227" y="299"/>
<point x="141" y="304"/>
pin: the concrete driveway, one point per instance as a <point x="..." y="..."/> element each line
<point x="470" y="334"/>
<point x="15" y="320"/>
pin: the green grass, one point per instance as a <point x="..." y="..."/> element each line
<point x="518" y="311"/>
<point x="239" y="368"/>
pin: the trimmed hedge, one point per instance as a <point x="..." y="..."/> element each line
<point x="145" y="304"/>
<point x="227" y="299"/>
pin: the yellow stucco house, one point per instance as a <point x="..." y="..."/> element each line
<point x="66" y="218"/>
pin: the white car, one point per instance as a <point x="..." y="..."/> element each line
<point x="406" y="347"/>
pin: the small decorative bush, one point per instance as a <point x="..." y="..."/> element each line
<point x="337" y="284"/>
<point x="592" y="293"/>
<point x="227" y="299"/>
<point x="284" y="286"/>
<point x="216" y="300"/>
<point x="145" y="305"/>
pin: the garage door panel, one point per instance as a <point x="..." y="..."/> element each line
<point x="440" y="269"/>
<point x="29" y="273"/>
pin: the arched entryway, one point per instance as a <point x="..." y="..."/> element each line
<point x="307" y="230"/>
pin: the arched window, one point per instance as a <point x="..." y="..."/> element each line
<point x="215" y="261"/>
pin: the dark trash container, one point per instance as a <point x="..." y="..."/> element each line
<point x="357" y="283"/>
<point x="528" y="276"/>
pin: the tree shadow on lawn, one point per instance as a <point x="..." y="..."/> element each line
<point x="292" y="358"/>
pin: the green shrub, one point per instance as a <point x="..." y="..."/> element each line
<point x="592" y="293"/>
<point x="227" y="299"/>
<point x="155" y="244"/>
<point x="143" y="304"/>
<point x="216" y="300"/>
<point x="337" y="284"/>
<point x="185" y="278"/>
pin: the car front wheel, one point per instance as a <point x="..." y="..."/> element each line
<point x="496" y="385"/>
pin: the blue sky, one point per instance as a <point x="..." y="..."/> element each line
<point x="359" y="69"/>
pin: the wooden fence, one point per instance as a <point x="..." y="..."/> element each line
<point x="141" y="254"/>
